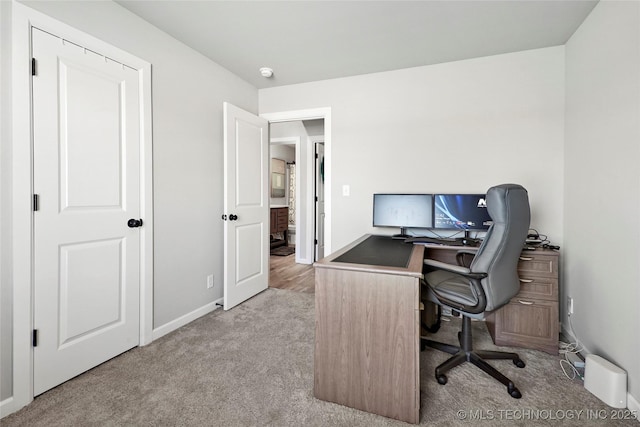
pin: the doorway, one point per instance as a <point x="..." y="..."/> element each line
<point x="312" y="127"/>
<point x="294" y="143"/>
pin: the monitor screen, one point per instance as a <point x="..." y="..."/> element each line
<point x="403" y="210"/>
<point x="461" y="211"/>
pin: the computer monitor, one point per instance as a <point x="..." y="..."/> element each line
<point x="461" y="212"/>
<point x="403" y="210"/>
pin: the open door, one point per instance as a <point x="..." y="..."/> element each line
<point x="246" y="205"/>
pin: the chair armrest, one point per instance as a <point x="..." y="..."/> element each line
<point x="474" y="283"/>
<point x="458" y="269"/>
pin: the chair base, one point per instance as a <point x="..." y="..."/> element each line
<point x="465" y="353"/>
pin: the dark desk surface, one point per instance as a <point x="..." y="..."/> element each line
<point x="379" y="250"/>
<point x="380" y="254"/>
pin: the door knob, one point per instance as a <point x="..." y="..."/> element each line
<point x="233" y="217"/>
<point x="133" y="223"/>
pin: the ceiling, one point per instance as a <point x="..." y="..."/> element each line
<point x="305" y="41"/>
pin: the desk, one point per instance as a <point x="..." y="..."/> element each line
<point x="367" y="337"/>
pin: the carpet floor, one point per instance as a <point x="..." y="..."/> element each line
<point x="253" y="366"/>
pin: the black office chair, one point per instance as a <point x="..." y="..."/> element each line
<point x="487" y="284"/>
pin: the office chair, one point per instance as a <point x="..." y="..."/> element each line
<point x="489" y="282"/>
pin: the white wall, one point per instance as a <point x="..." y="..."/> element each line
<point x="602" y="184"/>
<point x="188" y="92"/>
<point x="454" y="127"/>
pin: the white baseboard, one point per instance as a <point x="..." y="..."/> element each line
<point x="7" y="406"/>
<point x="633" y="405"/>
<point x="303" y="260"/>
<point x="183" y="320"/>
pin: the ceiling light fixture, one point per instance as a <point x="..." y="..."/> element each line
<point x="266" y="72"/>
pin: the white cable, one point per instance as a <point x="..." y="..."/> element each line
<point x="570" y="348"/>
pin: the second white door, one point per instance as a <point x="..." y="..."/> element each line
<point x="246" y="205"/>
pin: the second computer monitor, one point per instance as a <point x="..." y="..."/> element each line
<point x="461" y="212"/>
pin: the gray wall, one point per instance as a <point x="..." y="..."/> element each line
<point x="188" y="92"/>
<point x="6" y="293"/>
<point x="454" y="127"/>
<point x="602" y="185"/>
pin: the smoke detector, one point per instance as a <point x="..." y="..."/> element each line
<point x="266" y="72"/>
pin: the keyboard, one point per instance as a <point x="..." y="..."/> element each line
<point x="435" y="241"/>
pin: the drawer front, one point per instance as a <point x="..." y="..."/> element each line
<point x="273" y="222"/>
<point x="283" y="218"/>
<point x="279" y="219"/>
<point x="538" y="287"/>
<point x="535" y="264"/>
<point x="528" y="323"/>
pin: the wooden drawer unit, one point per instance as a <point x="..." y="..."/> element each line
<point x="530" y="319"/>
<point x="282" y="218"/>
<point x="279" y="224"/>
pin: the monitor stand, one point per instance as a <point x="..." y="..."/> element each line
<point x="403" y="234"/>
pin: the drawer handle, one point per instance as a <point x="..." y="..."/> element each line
<point x="525" y="302"/>
<point x="525" y="258"/>
<point x="526" y="280"/>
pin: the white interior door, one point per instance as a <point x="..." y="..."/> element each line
<point x="86" y="115"/>
<point x="246" y="205"/>
<point x="319" y="197"/>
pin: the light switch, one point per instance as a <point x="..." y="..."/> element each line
<point x="346" y="190"/>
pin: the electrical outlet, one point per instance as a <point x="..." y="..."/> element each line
<point x="210" y="281"/>
<point x="569" y="305"/>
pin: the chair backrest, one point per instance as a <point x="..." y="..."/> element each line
<point x="508" y="206"/>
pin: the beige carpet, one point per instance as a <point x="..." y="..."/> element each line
<point x="253" y="366"/>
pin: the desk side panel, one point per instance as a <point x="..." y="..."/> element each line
<point x="367" y="349"/>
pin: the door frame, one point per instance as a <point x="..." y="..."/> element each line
<point x="313" y="114"/>
<point x="23" y="19"/>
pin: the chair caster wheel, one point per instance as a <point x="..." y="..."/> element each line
<point x="519" y="363"/>
<point x="513" y="391"/>
<point x="442" y="379"/>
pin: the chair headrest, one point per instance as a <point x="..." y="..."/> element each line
<point x="498" y="198"/>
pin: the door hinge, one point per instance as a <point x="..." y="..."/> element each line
<point x="315" y="242"/>
<point x="316" y="155"/>
<point x="316" y="198"/>
<point x="34" y="338"/>
<point x="33" y="66"/>
<point x="35" y="203"/>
